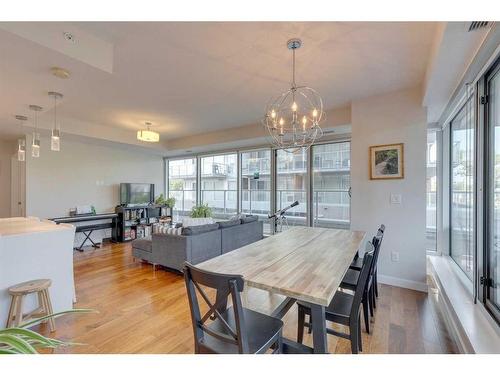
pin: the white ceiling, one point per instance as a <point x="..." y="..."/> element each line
<point x="192" y="78"/>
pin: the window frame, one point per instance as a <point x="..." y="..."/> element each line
<point x="483" y="259"/>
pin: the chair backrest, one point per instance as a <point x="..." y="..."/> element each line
<point x="377" y="243"/>
<point x="362" y="283"/>
<point x="225" y="286"/>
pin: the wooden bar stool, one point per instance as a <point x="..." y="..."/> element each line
<point x="19" y="291"/>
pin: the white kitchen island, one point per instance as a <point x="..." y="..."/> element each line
<point x="33" y="249"/>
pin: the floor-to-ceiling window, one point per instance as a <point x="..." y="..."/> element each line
<point x="462" y="224"/>
<point x="256" y="184"/>
<point x="182" y="184"/>
<point x="291" y="184"/>
<point x="219" y="184"/>
<point x="331" y="184"/>
<point x="431" y="187"/>
<point x="491" y="277"/>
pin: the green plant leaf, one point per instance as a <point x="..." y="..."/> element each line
<point x="33" y="338"/>
<point x="39" y="320"/>
<point x="17" y="343"/>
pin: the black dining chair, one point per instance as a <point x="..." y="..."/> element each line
<point x="230" y="330"/>
<point x="350" y="282"/>
<point x="357" y="262"/>
<point x="344" y="309"/>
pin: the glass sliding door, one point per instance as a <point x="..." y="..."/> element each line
<point x="291" y="184"/>
<point x="331" y="184"/>
<point x="431" y="182"/>
<point x="219" y="184"/>
<point x="182" y="185"/>
<point x="255" y="185"/>
<point x="491" y="279"/>
<point x="462" y="230"/>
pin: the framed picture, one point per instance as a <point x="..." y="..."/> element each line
<point x="386" y="162"/>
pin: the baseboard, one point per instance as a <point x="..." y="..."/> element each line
<point x="402" y="283"/>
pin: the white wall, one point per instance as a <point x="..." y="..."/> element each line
<point x="7" y="148"/>
<point x="392" y="118"/>
<point x="83" y="173"/>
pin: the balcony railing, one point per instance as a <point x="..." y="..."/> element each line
<point x="330" y="207"/>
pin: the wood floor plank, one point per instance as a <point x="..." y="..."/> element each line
<point x="141" y="311"/>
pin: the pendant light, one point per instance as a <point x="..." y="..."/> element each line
<point x="35" y="145"/>
<point x="148" y="135"/>
<point x="21" y="142"/>
<point x="55" y="139"/>
<point x="293" y="117"/>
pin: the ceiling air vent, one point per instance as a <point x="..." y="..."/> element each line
<point x="476" y="25"/>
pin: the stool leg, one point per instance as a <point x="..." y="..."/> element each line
<point x="48" y="306"/>
<point x="19" y="311"/>
<point x="12" y="311"/>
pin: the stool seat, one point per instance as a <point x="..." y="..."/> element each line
<point x="28" y="287"/>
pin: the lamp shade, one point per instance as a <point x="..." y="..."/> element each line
<point x="148" y="136"/>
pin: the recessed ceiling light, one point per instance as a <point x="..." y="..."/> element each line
<point x="60" y="72"/>
<point x="69" y="37"/>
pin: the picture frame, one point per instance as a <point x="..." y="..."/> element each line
<point x="387" y="162"/>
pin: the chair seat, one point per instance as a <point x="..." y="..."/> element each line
<point x="31" y="286"/>
<point x="357" y="264"/>
<point x="261" y="330"/>
<point x="338" y="310"/>
<point x="350" y="280"/>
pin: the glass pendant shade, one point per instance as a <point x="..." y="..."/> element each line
<point x="21" y="150"/>
<point x="35" y="146"/>
<point x="55" y="140"/>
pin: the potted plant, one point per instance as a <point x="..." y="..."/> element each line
<point x="201" y="211"/>
<point x="160" y="201"/>
<point x="22" y="340"/>
<point x="170" y="202"/>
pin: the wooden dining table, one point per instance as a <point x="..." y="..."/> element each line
<point x="303" y="264"/>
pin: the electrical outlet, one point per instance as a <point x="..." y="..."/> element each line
<point x="395" y="256"/>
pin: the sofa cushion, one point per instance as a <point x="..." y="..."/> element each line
<point x="249" y="219"/>
<point x="144" y="244"/>
<point x="198" y="229"/>
<point x="229" y="223"/>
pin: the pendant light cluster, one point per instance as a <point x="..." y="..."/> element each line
<point x="55" y="140"/>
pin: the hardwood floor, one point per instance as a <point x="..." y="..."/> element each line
<point x="146" y="311"/>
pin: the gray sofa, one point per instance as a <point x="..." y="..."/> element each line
<point x="197" y="244"/>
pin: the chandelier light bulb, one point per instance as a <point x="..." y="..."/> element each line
<point x="315" y="113"/>
<point x="282" y="122"/>
<point x="273" y="114"/>
<point x="294" y="107"/>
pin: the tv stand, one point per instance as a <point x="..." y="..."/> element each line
<point x="136" y="221"/>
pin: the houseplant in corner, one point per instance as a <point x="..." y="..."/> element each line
<point x="201" y="211"/>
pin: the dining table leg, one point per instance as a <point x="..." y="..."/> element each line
<point x="319" y="329"/>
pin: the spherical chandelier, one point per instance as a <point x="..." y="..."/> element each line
<point x="293" y="117"/>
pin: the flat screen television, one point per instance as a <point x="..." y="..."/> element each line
<point x="136" y="194"/>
